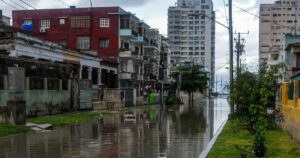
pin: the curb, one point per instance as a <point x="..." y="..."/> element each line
<point x="205" y="152"/>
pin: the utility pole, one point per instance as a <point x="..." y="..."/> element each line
<point x="230" y="44"/>
<point x="221" y="85"/>
<point x="238" y="53"/>
<point x="240" y="45"/>
<point x="216" y="84"/>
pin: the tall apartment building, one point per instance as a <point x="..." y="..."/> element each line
<point x="191" y="32"/>
<point x="277" y="20"/>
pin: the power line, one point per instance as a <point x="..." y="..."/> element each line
<point x="27" y="4"/>
<point x="63" y="2"/>
<point x="246" y="11"/>
<point x="225" y="11"/>
<point x="18" y="4"/>
<point x="9" y="4"/>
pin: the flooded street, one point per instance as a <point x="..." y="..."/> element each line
<point x="181" y="133"/>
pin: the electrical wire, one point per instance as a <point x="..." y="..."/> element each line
<point x="18" y="4"/>
<point x="63" y="2"/>
<point x="227" y="21"/>
<point x="27" y="4"/>
<point x="246" y="11"/>
<point x="9" y="4"/>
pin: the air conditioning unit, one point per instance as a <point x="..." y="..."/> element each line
<point x="42" y="30"/>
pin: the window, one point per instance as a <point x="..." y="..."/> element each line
<point x="45" y="23"/>
<point x="83" y="42"/>
<point x="80" y="21"/>
<point x="28" y="21"/>
<point x="104" y="22"/>
<point x="62" y="21"/>
<point x="104" y="43"/>
<point x="291" y="91"/>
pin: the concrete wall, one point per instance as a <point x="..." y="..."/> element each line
<point x="3" y="97"/>
<point x="39" y="101"/>
<point x="291" y="110"/>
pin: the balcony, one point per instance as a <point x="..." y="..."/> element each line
<point x="128" y="33"/>
<point x="130" y="76"/>
<point x="130" y="55"/>
<point x="139" y="39"/>
<point x="125" y="76"/>
<point x="152" y="46"/>
<point x="137" y="77"/>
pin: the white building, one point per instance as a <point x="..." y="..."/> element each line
<point x="4" y="19"/>
<point x="191" y="31"/>
<point x="277" y="19"/>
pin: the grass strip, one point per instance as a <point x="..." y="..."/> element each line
<point x="55" y="120"/>
<point x="278" y="142"/>
<point x="68" y="119"/>
<point x="12" y="129"/>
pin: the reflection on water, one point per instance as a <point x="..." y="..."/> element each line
<point x="181" y="133"/>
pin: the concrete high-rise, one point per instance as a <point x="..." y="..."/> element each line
<point x="191" y="31"/>
<point x="277" y="20"/>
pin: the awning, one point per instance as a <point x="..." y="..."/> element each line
<point x="295" y="77"/>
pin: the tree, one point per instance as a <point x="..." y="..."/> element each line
<point x="191" y="78"/>
<point x="252" y="94"/>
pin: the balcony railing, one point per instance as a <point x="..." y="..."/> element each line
<point x="129" y="54"/>
<point x="125" y="76"/>
<point x="127" y="32"/>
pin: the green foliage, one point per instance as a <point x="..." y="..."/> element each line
<point x="67" y="119"/>
<point x="172" y="100"/>
<point x="235" y="141"/>
<point x="244" y="151"/>
<point x="259" y="144"/>
<point x="12" y="129"/>
<point x="252" y="94"/>
<point x="193" y="77"/>
<point x="276" y="117"/>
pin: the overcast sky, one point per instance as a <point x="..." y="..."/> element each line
<point x="154" y="12"/>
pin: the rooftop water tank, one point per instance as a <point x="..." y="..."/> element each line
<point x="27" y="27"/>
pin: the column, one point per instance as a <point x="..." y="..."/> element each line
<point x="45" y="83"/>
<point x="5" y="84"/>
<point x="80" y="72"/>
<point x="27" y="83"/>
<point x="90" y="69"/>
<point x="60" y="85"/>
<point x="99" y="76"/>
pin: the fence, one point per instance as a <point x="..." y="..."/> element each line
<point x="112" y="94"/>
<point x="54" y="97"/>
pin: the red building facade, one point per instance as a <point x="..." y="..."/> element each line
<point x="85" y="29"/>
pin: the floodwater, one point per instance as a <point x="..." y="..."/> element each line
<point x="181" y="133"/>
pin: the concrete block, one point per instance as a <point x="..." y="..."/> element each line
<point x="16" y="112"/>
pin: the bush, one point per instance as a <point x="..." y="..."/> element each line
<point x="173" y="100"/>
<point x="275" y="118"/>
<point x="259" y="146"/>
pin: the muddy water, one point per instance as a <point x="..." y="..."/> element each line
<point x="181" y="133"/>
